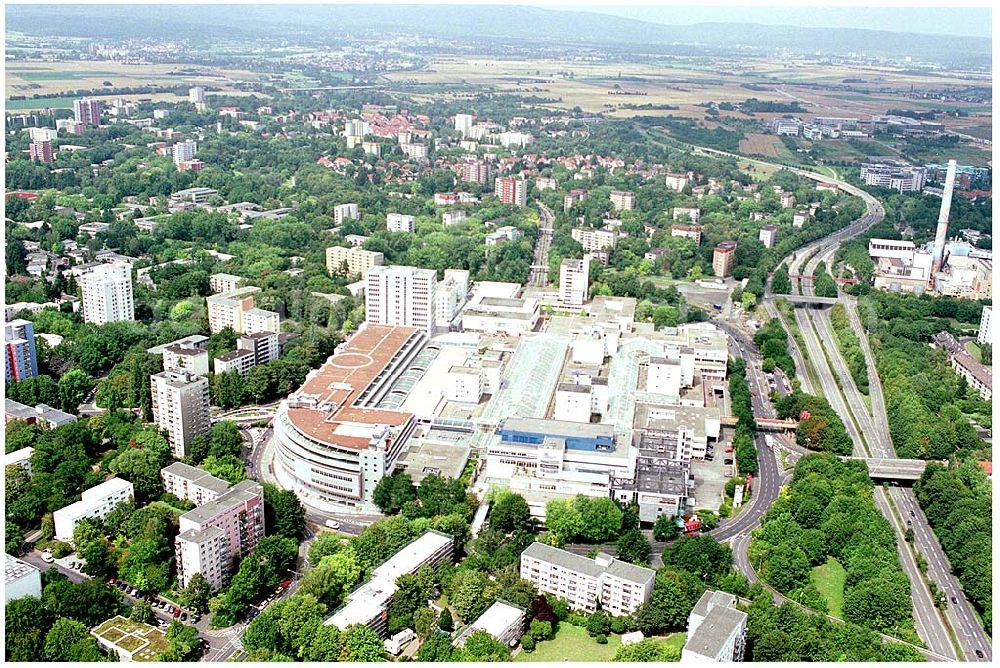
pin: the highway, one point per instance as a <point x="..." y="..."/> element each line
<point x="539" y="274"/>
<point x="817" y="331"/>
<point x="874" y="425"/>
<point x="970" y="634"/>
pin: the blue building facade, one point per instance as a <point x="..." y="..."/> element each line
<point x="576" y="435"/>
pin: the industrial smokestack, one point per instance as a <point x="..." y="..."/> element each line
<point x="937" y="257"/>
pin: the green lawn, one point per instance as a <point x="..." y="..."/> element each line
<point x="973" y="349"/>
<point x="829" y="580"/>
<point x="572" y="644"/>
<point x="675" y="640"/>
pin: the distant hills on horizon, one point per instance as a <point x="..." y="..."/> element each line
<point x="476" y="22"/>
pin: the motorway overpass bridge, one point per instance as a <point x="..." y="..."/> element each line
<point x="893" y="469"/>
<point x="808" y="300"/>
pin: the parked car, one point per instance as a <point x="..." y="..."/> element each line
<point x="184" y="615"/>
<point x="177" y="613"/>
<point x="47" y="557"/>
<point x="285" y="584"/>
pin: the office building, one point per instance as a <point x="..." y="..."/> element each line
<point x="333" y="442"/>
<point x="96" y="502"/>
<point x="685" y="231"/>
<point x="196" y="95"/>
<point x="189" y="353"/>
<point x="20" y="358"/>
<point x="723" y="258"/>
<point x="574" y="281"/>
<point x="251" y="350"/>
<point x="215" y="533"/>
<point x="398" y="222"/>
<point x="500" y="315"/>
<point x="189" y="483"/>
<point x="368" y="604"/>
<point x="40" y="150"/>
<point x="107" y="293"/>
<point x="985" y="333"/>
<point x="398" y="295"/>
<point x="785" y="127"/>
<point x="463" y="124"/>
<point x="768" y="235"/>
<point x="181" y="408"/>
<point x="621" y="587"/>
<point x="345" y="212"/>
<point x="511" y="190"/>
<point x="184" y="151"/>
<point x="44" y="416"/>
<point x="20" y="579"/>
<point x="676" y="181"/>
<point x="87" y="111"/>
<point x="901" y="177"/>
<point x="717" y="630"/>
<point x="352" y="261"/>
<point x="594" y="239"/>
<point x="502" y="621"/>
<point x="622" y="200"/>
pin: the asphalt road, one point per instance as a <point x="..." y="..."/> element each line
<point x="874" y="425"/>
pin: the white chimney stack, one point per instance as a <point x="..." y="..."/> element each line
<point x="937" y="258"/>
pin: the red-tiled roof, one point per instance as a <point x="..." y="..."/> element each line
<point x="339" y="382"/>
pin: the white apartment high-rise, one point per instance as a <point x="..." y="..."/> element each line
<point x="463" y="123"/>
<point x="107" y="294"/>
<point x="985" y="332"/>
<point x="398" y="222"/>
<point x="196" y="95"/>
<point x="574" y="281"/>
<point x="396" y="295"/>
<point x="344" y="212"/>
<point x="184" y="151"/>
<point x="621" y="587"/>
<point x="181" y="408"/>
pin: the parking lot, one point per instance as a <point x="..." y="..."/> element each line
<point x="710" y="475"/>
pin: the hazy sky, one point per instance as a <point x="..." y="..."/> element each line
<point x="966" y="21"/>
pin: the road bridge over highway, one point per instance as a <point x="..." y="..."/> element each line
<point x="893" y="468"/>
<point x="809" y="300"/>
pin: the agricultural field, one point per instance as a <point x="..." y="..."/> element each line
<point x="767" y="146"/>
<point x="51" y="79"/>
